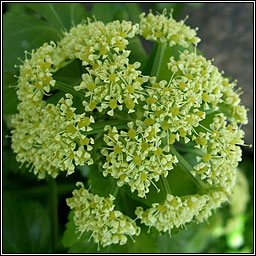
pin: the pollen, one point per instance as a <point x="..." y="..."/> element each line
<point x="150" y="100"/>
<point x="84" y="122"/>
<point x="91" y="86"/>
<point x="207" y="157"/>
<point x="130" y="88"/>
<point x="117" y="149"/>
<point x="148" y="121"/>
<point x="131" y="133"/>
<point x="112" y="78"/>
<point x="165" y="125"/>
<point x="137" y="160"/>
<point x="113" y="103"/>
<point x="182" y="85"/>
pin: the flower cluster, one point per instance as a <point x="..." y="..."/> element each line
<point x="165" y="29"/>
<point x="220" y="153"/>
<point x="96" y="214"/>
<point x="177" y="211"/>
<point x="136" y="157"/>
<point x="110" y="81"/>
<point x="194" y="106"/>
<point x="53" y="139"/>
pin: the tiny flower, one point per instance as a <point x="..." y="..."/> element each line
<point x="96" y="214"/>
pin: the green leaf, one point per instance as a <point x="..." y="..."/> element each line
<point x="62" y="16"/>
<point x="134" y="11"/>
<point x="151" y="197"/>
<point x="10" y="99"/>
<point x="70" y="73"/>
<point x="180" y="183"/>
<point x="70" y="236"/>
<point x="191" y="240"/>
<point x="26" y="32"/>
<point x="144" y="243"/>
<point x="106" y="11"/>
<point x="23" y="32"/>
<point x="26" y="226"/>
<point x="138" y="52"/>
<point x="99" y="184"/>
<point x="17" y="7"/>
<point x="163" y="71"/>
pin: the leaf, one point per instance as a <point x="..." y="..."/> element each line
<point x="99" y="184"/>
<point x="192" y="240"/>
<point x="106" y="11"/>
<point x="138" y="52"/>
<point x="17" y="7"/>
<point x="180" y="183"/>
<point x="23" y="32"/>
<point x="26" y="32"/>
<point x="26" y="226"/>
<point x="62" y="16"/>
<point x="134" y="11"/>
<point x="70" y="74"/>
<point x="10" y="99"/>
<point x="144" y="243"/>
<point x="151" y="197"/>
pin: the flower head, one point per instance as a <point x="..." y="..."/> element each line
<point x="96" y="214"/>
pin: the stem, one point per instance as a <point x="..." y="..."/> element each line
<point x="53" y="211"/>
<point x="158" y="59"/>
<point x="114" y="190"/>
<point x="189" y="150"/>
<point x="166" y="185"/>
<point x="187" y="168"/>
<point x="99" y="127"/>
<point x="68" y="88"/>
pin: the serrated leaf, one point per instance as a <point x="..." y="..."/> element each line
<point x="62" y="16"/>
<point x="10" y="99"/>
<point x="26" y="226"/>
<point x="23" y="32"/>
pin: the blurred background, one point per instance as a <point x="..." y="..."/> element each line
<point x="226" y="30"/>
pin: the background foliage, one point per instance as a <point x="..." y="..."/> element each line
<point x="36" y="218"/>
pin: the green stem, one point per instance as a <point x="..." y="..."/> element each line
<point x="114" y="190"/>
<point x="166" y="185"/>
<point x="187" y="168"/>
<point x="68" y="88"/>
<point x="158" y="59"/>
<point x="189" y="150"/>
<point x="53" y="211"/>
<point x="99" y="126"/>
